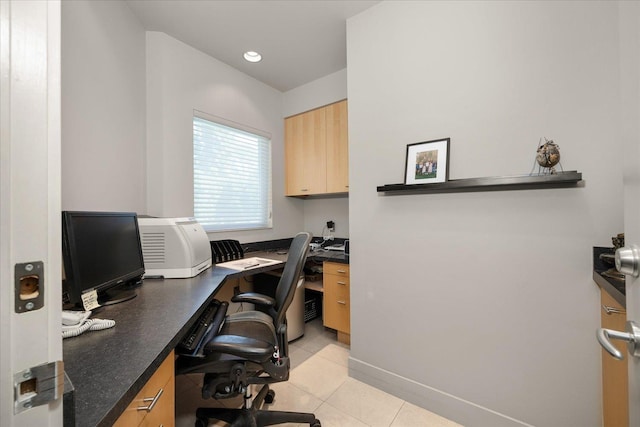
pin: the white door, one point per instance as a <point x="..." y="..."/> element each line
<point x="31" y="371"/>
<point x="628" y="258"/>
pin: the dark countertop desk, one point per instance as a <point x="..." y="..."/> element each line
<point x="324" y="255"/>
<point x="108" y="368"/>
<point x="614" y="287"/>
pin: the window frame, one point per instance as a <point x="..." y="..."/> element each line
<point x="265" y="191"/>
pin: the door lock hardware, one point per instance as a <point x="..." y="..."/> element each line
<point x="628" y="260"/>
<point x="631" y="336"/>
<point x="37" y="386"/>
<point x="29" y="286"/>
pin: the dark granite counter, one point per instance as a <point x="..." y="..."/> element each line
<point x="108" y="368"/>
<point x="318" y="255"/>
<point x="325" y="255"/>
<point x="614" y="287"/>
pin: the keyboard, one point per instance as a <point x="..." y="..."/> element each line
<point x="207" y="325"/>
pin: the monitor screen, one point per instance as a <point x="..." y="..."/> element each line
<point x="101" y="251"/>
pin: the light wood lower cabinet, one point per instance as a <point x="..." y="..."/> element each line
<point x="336" y="303"/>
<point x="159" y="412"/>
<point x="615" y="384"/>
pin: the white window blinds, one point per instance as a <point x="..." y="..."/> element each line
<point x="231" y="177"/>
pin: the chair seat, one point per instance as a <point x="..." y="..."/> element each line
<point x="254" y="324"/>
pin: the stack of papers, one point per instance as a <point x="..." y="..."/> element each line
<point x="249" y="263"/>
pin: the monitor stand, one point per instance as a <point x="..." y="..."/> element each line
<point x="116" y="295"/>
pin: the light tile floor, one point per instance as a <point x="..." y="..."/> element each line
<point x="319" y="383"/>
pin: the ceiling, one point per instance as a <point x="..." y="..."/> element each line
<point x="300" y="41"/>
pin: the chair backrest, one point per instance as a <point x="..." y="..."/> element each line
<point x="289" y="279"/>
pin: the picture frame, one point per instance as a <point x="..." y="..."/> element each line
<point x="427" y="162"/>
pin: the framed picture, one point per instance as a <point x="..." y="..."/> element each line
<point x="427" y="162"/>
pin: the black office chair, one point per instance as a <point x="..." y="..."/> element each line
<point x="251" y="348"/>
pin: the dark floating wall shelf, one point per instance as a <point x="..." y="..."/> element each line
<point x="491" y="183"/>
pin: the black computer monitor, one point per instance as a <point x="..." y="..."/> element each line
<point x="101" y="251"/>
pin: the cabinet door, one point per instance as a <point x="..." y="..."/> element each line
<point x="294" y="155"/>
<point x="305" y="153"/>
<point x="163" y="412"/>
<point x="337" y="148"/>
<point x="615" y="384"/>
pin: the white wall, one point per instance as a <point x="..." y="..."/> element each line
<point x="107" y="164"/>
<point x="181" y="79"/>
<point x="103" y="107"/>
<point x="484" y="309"/>
<point x="318" y="211"/>
<point x="323" y="91"/>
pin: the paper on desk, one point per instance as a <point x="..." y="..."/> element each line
<point x="249" y="263"/>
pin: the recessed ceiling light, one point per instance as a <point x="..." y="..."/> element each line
<point x="252" y="56"/>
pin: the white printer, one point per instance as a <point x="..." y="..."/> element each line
<point x="174" y="248"/>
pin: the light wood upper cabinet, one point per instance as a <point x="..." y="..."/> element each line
<point x="316" y="151"/>
<point x="337" y="148"/>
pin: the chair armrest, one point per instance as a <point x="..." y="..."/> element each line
<point x="244" y="347"/>
<point x="254" y="298"/>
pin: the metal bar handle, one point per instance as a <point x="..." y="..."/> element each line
<point x="342" y="302"/>
<point x="613" y="310"/>
<point x="342" y="283"/>
<point x="153" y="400"/>
<point x="604" y="335"/>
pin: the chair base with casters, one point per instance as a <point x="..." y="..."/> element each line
<point x="252" y="415"/>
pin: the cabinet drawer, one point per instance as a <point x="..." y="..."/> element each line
<point x="336" y="268"/>
<point x="162" y="379"/>
<point x="337" y="314"/>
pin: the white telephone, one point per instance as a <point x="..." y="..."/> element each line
<point x="75" y="323"/>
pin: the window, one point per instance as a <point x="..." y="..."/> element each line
<point x="231" y="176"/>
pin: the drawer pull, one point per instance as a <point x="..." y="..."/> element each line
<point x="342" y="302"/>
<point x="153" y="401"/>
<point x="342" y="271"/>
<point x="341" y="283"/>
<point x="612" y="310"/>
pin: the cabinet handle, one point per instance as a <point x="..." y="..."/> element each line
<point x="341" y="283"/>
<point x="612" y="310"/>
<point x="342" y="271"/>
<point x="153" y="401"/>
<point x="342" y="302"/>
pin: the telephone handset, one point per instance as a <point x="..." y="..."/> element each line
<point x="75" y="323"/>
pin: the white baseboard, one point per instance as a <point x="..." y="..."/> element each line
<point x="444" y="404"/>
